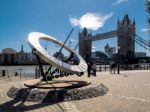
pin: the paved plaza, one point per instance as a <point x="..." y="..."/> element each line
<point x="128" y="92"/>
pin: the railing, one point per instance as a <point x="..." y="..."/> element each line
<point x="18" y="71"/>
<point x="143" y="66"/>
<point x="33" y="71"/>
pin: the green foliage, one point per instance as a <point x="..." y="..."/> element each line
<point x="148" y="10"/>
<point x="148" y="6"/>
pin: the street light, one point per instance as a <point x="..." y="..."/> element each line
<point x="118" y="59"/>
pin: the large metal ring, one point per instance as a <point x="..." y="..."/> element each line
<point x="33" y="40"/>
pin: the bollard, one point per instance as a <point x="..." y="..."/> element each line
<point x="16" y="73"/>
<point x="39" y="73"/>
<point x="36" y="72"/>
<point x="3" y="72"/>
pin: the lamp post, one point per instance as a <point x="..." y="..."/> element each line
<point x="118" y="60"/>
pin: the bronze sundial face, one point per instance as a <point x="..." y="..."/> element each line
<point x="33" y="40"/>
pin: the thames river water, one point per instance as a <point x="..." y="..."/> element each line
<point x="25" y="71"/>
<point x="30" y="71"/>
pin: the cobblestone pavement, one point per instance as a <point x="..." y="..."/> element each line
<point x="128" y="92"/>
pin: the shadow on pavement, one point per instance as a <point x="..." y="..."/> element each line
<point x="17" y="103"/>
<point x="51" y="97"/>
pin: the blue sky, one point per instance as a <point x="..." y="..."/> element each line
<point x="57" y="17"/>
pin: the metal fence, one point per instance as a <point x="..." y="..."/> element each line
<point x="21" y="71"/>
<point x="141" y="66"/>
<point x="34" y="72"/>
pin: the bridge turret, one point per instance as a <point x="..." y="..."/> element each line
<point x="85" y="45"/>
<point x="126" y="37"/>
<point x="118" y="21"/>
<point x="126" y="20"/>
<point x="85" y="33"/>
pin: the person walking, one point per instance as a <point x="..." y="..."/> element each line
<point x="94" y="69"/>
<point x="89" y="68"/>
<point x="112" y="67"/>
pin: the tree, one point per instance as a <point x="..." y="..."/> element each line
<point x="148" y="18"/>
<point x="148" y="9"/>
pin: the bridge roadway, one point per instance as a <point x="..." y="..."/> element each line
<point x="101" y="36"/>
<point x="128" y="92"/>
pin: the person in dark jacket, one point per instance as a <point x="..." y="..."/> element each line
<point x="113" y="67"/>
<point x="89" y="68"/>
<point x="94" y="69"/>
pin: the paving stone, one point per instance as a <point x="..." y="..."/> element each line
<point x="127" y="92"/>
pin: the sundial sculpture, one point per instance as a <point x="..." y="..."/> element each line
<point x="57" y="90"/>
<point x="57" y="68"/>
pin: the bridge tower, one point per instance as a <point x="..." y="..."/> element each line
<point x="85" y="45"/>
<point x="125" y="34"/>
<point x="126" y="37"/>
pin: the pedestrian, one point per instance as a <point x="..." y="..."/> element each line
<point x="94" y="69"/>
<point x="112" y="67"/>
<point x="89" y="68"/>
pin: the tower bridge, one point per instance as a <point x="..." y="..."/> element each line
<point x="126" y="39"/>
<point x="125" y="34"/>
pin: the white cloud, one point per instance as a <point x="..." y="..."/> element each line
<point x="145" y="29"/>
<point x="93" y="48"/>
<point x="91" y="21"/>
<point x="119" y="2"/>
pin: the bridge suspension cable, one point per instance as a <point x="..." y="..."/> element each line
<point x="143" y="43"/>
<point x="142" y="40"/>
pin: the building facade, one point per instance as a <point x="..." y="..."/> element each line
<point x="110" y="50"/>
<point x="140" y="54"/>
<point x="9" y="56"/>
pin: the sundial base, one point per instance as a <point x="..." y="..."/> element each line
<point x="56" y="91"/>
<point x="56" y="84"/>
